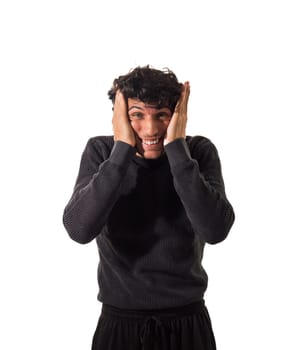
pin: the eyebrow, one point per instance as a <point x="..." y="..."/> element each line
<point x="136" y="107"/>
<point x="152" y="106"/>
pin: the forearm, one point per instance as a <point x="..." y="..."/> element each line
<point x="89" y="207"/>
<point x="205" y="202"/>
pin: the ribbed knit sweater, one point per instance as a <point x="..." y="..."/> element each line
<point x="151" y="219"/>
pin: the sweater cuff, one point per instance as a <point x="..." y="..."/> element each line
<point x="177" y="151"/>
<point x="121" y="153"/>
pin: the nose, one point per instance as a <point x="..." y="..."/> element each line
<point x="151" y="127"/>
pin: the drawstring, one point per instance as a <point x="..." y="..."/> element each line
<point x="147" y="334"/>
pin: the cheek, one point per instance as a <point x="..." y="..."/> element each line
<point x="166" y="124"/>
<point x="135" y="126"/>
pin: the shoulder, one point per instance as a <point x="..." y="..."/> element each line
<point x="101" y="145"/>
<point x="198" y="144"/>
<point x="203" y="150"/>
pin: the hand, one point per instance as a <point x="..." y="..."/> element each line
<point x="177" y="125"/>
<point x="121" y="126"/>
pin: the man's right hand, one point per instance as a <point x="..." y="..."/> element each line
<point x="121" y="126"/>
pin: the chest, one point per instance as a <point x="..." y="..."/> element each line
<point x="150" y="190"/>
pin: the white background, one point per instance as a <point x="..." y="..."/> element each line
<point x="57" y="61"/>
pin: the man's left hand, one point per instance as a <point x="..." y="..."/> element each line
<point x="177" y="126"/>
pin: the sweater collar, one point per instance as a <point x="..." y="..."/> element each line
<point x="151" y="163"/>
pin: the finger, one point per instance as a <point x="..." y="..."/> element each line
<point x="185" y="96"/>
<point x="186" y="91"/>
<point x="118" y="97"/>
<point x="183" y="99"/>
<point x="120" y="107"/>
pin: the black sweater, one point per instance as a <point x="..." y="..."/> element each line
<point x="151" y="219"/>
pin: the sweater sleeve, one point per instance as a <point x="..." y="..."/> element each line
<point x="96" y="190"/>
<point x="199" y="183"/>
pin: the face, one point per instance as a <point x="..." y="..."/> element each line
<point x="149" y="124"/>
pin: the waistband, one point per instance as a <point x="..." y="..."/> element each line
<point x="167" y="313"/>
<point x="152" y="320"/>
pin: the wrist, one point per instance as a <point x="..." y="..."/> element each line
<point x="170" y="140"/>
<point x="125" y="140"/>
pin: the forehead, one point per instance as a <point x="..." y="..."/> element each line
<point x="138" y="104"/>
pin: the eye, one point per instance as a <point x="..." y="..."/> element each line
<point x="163" y="116"/>
<point x="135" y="115"/>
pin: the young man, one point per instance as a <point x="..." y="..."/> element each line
<point x="152" y="197"/>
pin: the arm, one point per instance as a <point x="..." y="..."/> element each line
<point x="99" y="180"/>
<point x="96" y="190"/>
<point x="199" y="184"/>
<point x="198" y="178"/>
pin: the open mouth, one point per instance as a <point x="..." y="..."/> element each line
<point x="150" y="142"/>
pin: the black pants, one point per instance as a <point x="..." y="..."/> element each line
<point x="182" y="328"/>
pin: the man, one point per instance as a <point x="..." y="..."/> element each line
<point x="152" y="197"/>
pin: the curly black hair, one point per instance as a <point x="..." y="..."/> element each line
<point x="149" y="85"/>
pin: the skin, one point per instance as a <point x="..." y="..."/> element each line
<point x="149" y="128"/>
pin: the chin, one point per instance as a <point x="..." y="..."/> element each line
<point x="152" y="154"/>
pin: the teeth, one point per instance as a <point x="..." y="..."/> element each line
<point x="150" y="142"/>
